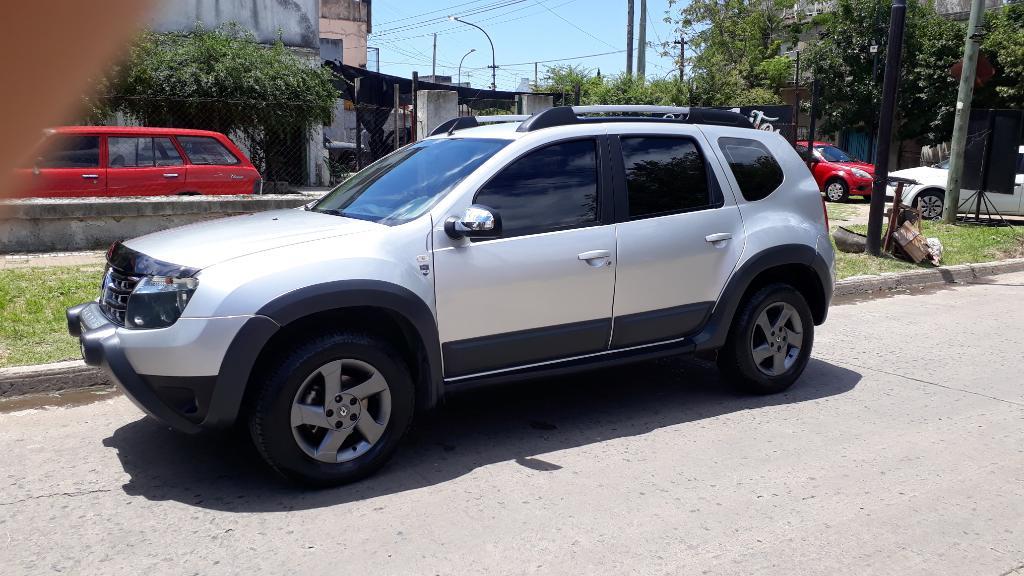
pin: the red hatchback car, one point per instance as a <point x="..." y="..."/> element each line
<point x="839" y="175"/>
<point x="136" y="161"/>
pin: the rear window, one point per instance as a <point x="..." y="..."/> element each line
<point x="146" y="152"/>
<point x="664" y="175"/>
<point x="206" y="150"/>
<point x="756" y="171"/>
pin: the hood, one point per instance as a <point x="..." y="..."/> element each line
<point x="923" y="174"/>
<point x="207" y="243"/>
<point x="869" y="168"/>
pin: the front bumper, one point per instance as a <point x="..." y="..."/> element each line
<point x="179" y="402"/>
<point x="861" y="186"/>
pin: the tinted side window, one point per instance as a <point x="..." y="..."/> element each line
<point x="206" y="150"/>
<point x="664" y="175"/>
<point x="548" y="189"/>
<point x="71" y="152"/>
<point x="165" y="154"/>
<point x="130" y="152"/>
<point x="755" y="169"/>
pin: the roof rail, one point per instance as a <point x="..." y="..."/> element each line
<point x="463" y="122"/>
<point x="567" y="115"/>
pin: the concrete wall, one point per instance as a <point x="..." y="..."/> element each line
<point x="297" y="20"/>
<point x="348" y="22"/>
<point x="533" y="103"/>
<point x="59" y="224"/>
<point x="435" y="107"/>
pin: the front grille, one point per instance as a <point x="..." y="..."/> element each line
<point x="117" y="287"/>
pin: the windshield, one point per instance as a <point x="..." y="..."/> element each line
<point x="833" y="154"/>
<point x="944" y="164"/>
<point x="404" y="185"/>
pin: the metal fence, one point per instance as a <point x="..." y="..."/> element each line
<point x="287" y="152"/>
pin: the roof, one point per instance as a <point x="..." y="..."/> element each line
<point x="816" y="143"/>
<point x="503" y="131"/>
<point x="131" y="130"/>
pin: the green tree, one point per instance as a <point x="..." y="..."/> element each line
<point x="842" y="62"/>
<point x="1004" y="44"/>
<point x="736" y="46"/>
<point x="224" y="80"/>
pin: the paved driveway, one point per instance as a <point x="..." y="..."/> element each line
<point x="901" y="451"/>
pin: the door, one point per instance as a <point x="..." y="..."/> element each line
<point x="679" y="238"/>
<point x="69" y="165"/>
<point x="213" y="169"/>
<point x="144" y="166"/>
<point x="542" y="290"/>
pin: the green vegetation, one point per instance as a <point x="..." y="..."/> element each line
<point x="841" y="213"/>
<point x="32" y="302"/>
<point x="962" y="244"/>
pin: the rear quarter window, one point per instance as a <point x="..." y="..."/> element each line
<point x="756" y="170"/>
<point x="206" y="150"/>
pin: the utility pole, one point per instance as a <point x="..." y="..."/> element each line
<point x="964" y="96"/>
<point x="433" y="62"/>
<point x="893" y="56"/>
<point x="629" y="38"/>
<point x="682" y="57"/>
<point x="641" y="43"/>
<point x="535" y="83"/>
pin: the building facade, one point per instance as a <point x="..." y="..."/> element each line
<point x="344" y="26"/>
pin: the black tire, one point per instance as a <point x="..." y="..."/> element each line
<point x="836" y="190"/>
<point x="926" y="202"/>
<point x="736" y="359"/>
<point x="270" y="413"/>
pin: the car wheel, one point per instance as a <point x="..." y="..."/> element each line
<point x="769" y="342"/>
<point x="333" y="409"/>
<point x="837" y="191"/>
<point x="930" y="205"/>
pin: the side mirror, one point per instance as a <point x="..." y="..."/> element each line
<point x="476" y="222"/>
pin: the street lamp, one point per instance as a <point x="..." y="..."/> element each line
<point x="459" y="81"/>
<point x="493" y="66"/>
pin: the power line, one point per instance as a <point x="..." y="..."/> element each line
<point x="441" y="19"/>
<point x="542" y="5"/>
<point x="427" y="13"/>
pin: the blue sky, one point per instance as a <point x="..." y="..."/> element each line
<point x="523" y="31"/>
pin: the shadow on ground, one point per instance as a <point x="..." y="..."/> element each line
<point x="513" y="423"/>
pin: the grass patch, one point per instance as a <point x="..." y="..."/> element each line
<point x="841" y="212"/>
<point x="33" y="329"/>
<point x="962" y="244"/>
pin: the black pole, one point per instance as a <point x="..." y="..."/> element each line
<point x="415" y="105"/>
<point x="359" y="127"/>
<point x="893" y="55"/>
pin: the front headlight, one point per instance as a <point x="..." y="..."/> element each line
<point x="859" y="173"/>
<point x="158" y="301"/>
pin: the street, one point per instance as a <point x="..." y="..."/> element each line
<point x="900" y="451"/>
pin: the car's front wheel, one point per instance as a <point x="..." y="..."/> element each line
<point x="837" y="191"/>
<point x="769" y="343"/>
<point x="333" y="409"/>
<point x="930" y="204"/>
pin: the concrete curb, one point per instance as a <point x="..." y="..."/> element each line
<point x="74" y="374"/>
<point x="48" y="378"/>
<point x="925" y="277"/>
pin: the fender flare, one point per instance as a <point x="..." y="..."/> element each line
<point x="715" y="332"/>
<point x="252" y="338"/>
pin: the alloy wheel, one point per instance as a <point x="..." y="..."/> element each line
<point x="834" y="191"/>
<point x="340" y="411"/>
<point x="776" y="339"/>
<point x="931" y="206"/>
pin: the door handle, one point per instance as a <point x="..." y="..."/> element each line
<point x="90" y="176"/>
<point x="720" y="237"/>
<point x="171" y="175"/>
<point x="596" y="258"/>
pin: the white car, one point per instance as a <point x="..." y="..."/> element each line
<point x="543" y="245"/>
<point x="930" y="193"/>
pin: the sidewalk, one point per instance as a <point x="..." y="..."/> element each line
<point x="47" y="259"/>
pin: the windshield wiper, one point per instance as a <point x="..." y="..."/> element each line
<point x="331" y="211"/>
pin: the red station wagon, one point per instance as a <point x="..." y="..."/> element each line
<point x="136" y="161"/>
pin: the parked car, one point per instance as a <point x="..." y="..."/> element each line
<point x="838" y="174"/>
<point x="136" y="161"/>
<point x="481" y="254"/>
<point x="929" y="194"/>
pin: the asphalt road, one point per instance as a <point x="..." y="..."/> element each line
<point x="901" y="451"/>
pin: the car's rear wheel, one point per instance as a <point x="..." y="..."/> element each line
<point x="770" y="341"/>
<point x="930" y="204"/>
<point x="333" y="409"/>
<point x="837" y="191"/>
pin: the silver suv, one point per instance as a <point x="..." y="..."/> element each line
<point x="571" y="239"/>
